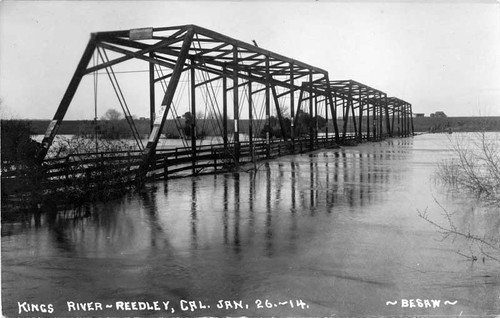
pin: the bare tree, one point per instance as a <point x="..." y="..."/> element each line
<point x="284" y="111"/>
<point x="475" y="170"/>
<point x="112" y="114"/>
<point x="476" y="166"/>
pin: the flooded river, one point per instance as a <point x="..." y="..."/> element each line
<point x="334" y="232"/>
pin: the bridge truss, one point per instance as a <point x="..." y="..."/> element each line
<point x="237" y="83"/>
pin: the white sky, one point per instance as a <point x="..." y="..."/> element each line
<point x="437" y="56"/>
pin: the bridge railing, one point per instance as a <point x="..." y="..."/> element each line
<point x="104" y="171"/>
<point x="213" y="158"/>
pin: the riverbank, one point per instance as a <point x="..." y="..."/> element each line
<point x="421" y="124"/>
<point x="456" y="124"/>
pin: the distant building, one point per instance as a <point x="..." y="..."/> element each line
<point x="439" y="114"/>
<point x="419" y="114"/>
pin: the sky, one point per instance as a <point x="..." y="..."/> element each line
<point x="438" y="56"/>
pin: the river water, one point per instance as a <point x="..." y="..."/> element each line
<point x="334" y="232"/>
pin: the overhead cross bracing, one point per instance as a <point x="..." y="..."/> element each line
<point x="235" y="77"/>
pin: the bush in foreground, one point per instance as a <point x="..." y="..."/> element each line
<point x="475" y="169"/>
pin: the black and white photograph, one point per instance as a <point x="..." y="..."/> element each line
<point x="237" y="158"/>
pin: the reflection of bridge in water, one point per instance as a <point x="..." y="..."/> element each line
<point x="244" y="89"/>
<point x="233" y="208"/>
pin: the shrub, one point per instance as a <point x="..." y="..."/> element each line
<point x="17" y="147"/>
<point x="476" y="166"/>
<point x="475" y="169"/>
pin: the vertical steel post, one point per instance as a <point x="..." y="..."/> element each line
<point x="311" y="130"/>
<point x="152" y="110"/>
<point x="345" y="110"/>
<point x="236" y="109"/>
<point x="316" y="124"/>
<point x="368" y="119"/>
<point x="250" y="119"/>
<point x="387" y="121"/>
<point x="360" y="105"/>
<point x="411" y="117"/>
<point x="374" y="126"/>
<point x="403" y="119"/>
<point x="333" y="108"/>
<point x="408" y="110"/>
<point x="96" y="128"/>
<point x="351" y="102"/>
<point x="292" y="107"/>
<point x="380" y="122"/>
<point x="393" y="120"/>
<point x="295" y="121"/>
<point x="407" y="120"/>
<point x="326" y="115"/>
<point x="399" y="120"/>
<point x="193" y="118"/>
<point x="268" y="110"/>
<point x="224" y="107"/>
<point x="407" y="115"/>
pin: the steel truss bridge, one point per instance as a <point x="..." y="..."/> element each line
<point x="242" y="86"/>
